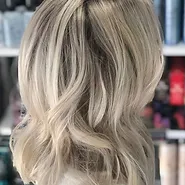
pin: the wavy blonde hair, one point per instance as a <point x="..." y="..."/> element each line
<point x="87" y="68"/>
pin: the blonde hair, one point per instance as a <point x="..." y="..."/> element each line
<point x="87" y="68"/>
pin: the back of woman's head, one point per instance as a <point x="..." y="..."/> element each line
<point x="86" y="70"/>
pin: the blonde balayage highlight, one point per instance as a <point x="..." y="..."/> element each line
<point x="86" y="70"/>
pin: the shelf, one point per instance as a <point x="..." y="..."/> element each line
<point x="167" y="134"/>
<point x="9" y="52"/>
<point x="157" y="134"/>
<point x="176" y="50"/>
<point x="175" y="134"/>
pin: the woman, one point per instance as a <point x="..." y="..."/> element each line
<point x="87" y="68"/>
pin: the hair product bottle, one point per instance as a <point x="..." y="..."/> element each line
<point x="13" y="28"/>
<point x="168" y="162"/>
<point x="31" y="4"/>
<point x="177" y="80"/>
<point x="173" y="21"/>
<point x="184" y="22"/>
<point x="1" y="31"/>
<point x="181" y="163"/>
<point x="159" y="10"/>
<point x="6" y="5"/>
<point x="157" y="164"/>
<point x="27" y="16"/>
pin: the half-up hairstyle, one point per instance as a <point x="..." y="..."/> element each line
<point x="86" y="69"/>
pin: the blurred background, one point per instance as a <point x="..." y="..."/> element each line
<point x="164" y="117"/>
